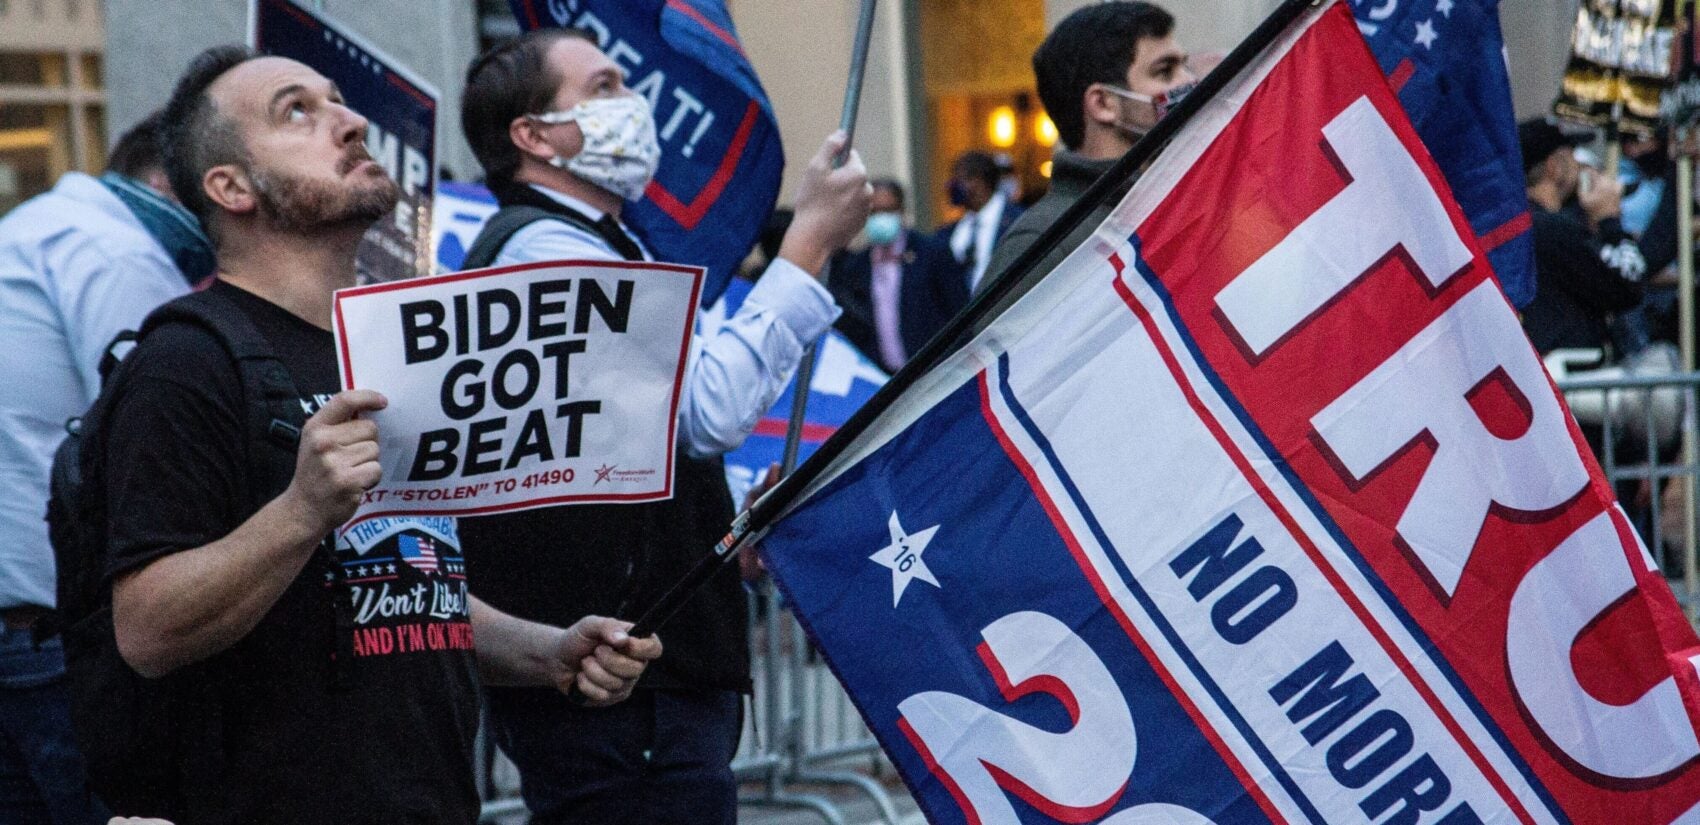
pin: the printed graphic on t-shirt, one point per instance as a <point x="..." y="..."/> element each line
<point x="407" y="580"/>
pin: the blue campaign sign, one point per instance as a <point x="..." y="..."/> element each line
<point x="460" y="211"/>
<point x="402" y="135"/>
<point x="721" y="157"/>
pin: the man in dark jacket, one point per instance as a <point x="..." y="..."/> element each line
<point x="1106" y="75"/>
<point x="987" y="214"/>
<point x="1585" y="269"/>
<point x="898" y="292"/>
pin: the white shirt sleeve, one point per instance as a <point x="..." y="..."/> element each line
<point x="733" y="376"/>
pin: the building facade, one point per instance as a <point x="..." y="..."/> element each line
<point x="944" y="76"/>
<point x="52" y="105"/>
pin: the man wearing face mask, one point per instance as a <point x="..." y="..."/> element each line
<point x="564" y="144"/>
<point x="899" y="291"/>
<point x="1106" y="75"/>
<point x="975" y="186"/>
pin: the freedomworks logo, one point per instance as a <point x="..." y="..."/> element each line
<point x="612" y="474"/>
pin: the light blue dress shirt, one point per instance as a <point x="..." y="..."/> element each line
<point x="76" y="268"/>
<point x="734" y="375"/>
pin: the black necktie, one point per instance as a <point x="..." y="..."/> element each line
<point x="616" y="236"/>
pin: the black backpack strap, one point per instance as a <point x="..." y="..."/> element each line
<point x="503" y="225"/>
<point x="115" y="351"/>
<point x="275" y="416"/>
<point x="523" y="206"/>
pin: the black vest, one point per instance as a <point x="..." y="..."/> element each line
<point x="559" y="564"/>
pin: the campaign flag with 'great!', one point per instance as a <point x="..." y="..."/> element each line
<point x="1446" y="61"/>
<point x="401" y="132"/>
<point x="1259" y="508"/>
<point x="721" y="159"/>
<point x="521" y="386"/>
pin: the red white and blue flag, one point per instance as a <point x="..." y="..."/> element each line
<point x="1446" y="61"/>
<point x="418" y="551"/>
<point x="721" y="159"/>
<point x="1259" y="508"/>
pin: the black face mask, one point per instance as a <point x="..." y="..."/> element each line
<point x="958" y="193"/>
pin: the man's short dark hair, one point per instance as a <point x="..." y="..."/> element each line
<point x="138" y="151"/>
<point x="1093" y="45"/>
<point x="977" y="166"/>
<point x="890" y="185"/>
<point x="197" y="136"/>
<point x="509" y="80"/>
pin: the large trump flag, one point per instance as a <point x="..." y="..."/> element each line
<point x="1259" y="508"/>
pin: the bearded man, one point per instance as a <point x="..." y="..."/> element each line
<point x="301" y="685"/>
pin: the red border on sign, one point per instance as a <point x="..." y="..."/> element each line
<point x="696" y="273"/>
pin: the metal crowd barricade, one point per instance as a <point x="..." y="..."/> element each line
<point x="801" y="729"/>
<point x="1643" y="430"/>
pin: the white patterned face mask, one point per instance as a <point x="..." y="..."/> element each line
<point x="620" y="151"/>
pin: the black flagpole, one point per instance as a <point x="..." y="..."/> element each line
<point x="751" y="524"/>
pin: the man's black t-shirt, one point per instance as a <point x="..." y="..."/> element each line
<point x="392" y="742"/>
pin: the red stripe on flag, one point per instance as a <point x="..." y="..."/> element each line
<point x="812" y="433"/>
<point x="1506" y="231"/>
<point x="1401" y="74"/>
<point x="688" y="216"/>
<point x="299" y="14"/>
<point x="687" y="10"/>
<point x="413" y="91"/>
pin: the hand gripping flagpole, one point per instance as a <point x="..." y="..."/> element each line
<point x="847" y="124"/>
<point x="752" y="524"/>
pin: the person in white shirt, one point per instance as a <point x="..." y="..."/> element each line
<point x="974" y="187"/>
<point x="565" y="145"/>
<point x="78" y="264"/>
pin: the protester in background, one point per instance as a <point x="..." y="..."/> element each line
<point x="899" y="291"/>
<point x="1106" y="75"/>
<point x="989" y="213"/>
<point x="230" y="591"/>
<point x="565" y="144"/>
<point x="78" y="264"/>
<point x="1587" y="268"/>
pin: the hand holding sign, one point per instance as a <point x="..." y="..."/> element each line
<point x="337" y="460"/>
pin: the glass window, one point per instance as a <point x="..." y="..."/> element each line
<point x="26" y="69"/>
<point x="92" y="68"/>
<point x="35" y="149"/>
<point x="94" y="138"/>
<point x="24" y="174"/>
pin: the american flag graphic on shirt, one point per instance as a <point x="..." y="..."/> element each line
<point x="419" y="552"/>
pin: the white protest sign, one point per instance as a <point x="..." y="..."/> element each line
<point x="522" y="386"/>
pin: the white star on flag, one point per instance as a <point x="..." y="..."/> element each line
<point x="903" y="556"/>
<point x="1445" y="8"/>
<point x="1426" y="33"/>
